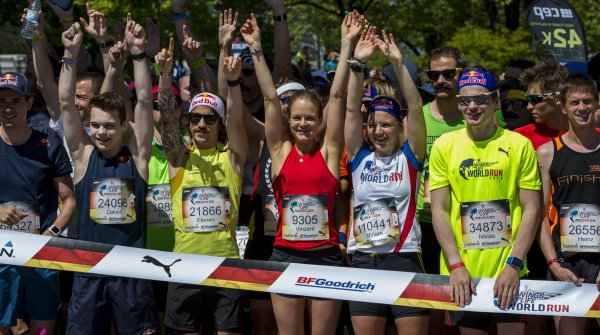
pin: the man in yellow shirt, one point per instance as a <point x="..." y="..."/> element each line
<point x="485" y="203"/>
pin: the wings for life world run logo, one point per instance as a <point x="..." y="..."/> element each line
<point x="536" y="301"/>
<point x="582" y="215"/>
<point x="335" y="285"/>
<point x="372" y="173"/>
<point x="471" y="168"/>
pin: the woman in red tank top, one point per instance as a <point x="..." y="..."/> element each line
<point x="305" y="173"/>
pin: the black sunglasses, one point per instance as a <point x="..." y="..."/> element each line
<point x="448" y="74"/>
<point x="209" y="119"/>
<point x="479" y="99"/>
<point x="248" y="72"/>
<point x="515" y="103"/>
<point x="285" y="100"/>
<point x="535" y="99"/>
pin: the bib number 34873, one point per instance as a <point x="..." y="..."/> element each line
<point x="486" y="224"/>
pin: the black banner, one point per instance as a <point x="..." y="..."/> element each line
<point x="558" y="26"/>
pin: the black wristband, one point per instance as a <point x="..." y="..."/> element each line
<point x="233" y="83"/>
<point x="107" y="44"/>
<point x="280" y="17"/>
<point x="139" y="56"/>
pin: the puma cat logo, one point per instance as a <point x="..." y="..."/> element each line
<point x="504" y="151"/>
<point x="154" y="261"/>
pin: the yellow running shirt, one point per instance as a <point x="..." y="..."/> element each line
<point x="205" y="194"/>
<point x="484" y="179"/>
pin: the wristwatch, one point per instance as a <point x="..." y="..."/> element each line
<point x="516" y="262"/>
<point x="54" y="230"/>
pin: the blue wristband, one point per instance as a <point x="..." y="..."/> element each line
<point x="342" y="237"/>
<point x="180" y="16"/>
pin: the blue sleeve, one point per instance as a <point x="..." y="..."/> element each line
<point x="363" y="152"/>
<point x="410" y="156"/>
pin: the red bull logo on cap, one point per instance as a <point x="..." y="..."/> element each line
<point x="8" y="79"/>
<point x="8" y="76"/>
<point x="477" y="77"/>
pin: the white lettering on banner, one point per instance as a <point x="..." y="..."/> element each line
<point x="375" y="286"/>
<point x="547" y="12"/>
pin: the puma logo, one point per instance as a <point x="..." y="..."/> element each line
<point x="154" y="261"/>
<point x="394" y="237"/>
<point x="505" y="151"/>
<point x="503" y="239"/>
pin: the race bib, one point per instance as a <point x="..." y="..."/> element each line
<point x="242" y="234"/>
<point x="305" y="218"/>
<point x="271" y="215"/>
<point x="580" y="228"/>
<point x="158" y="206"/>
<point x="205" y="209"/>
<point x="29" y="224"/>
<point x="486" y="224"/>
<point x="112" y="201"/>
<point x="376" y="223"/>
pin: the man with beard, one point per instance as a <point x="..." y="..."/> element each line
<point x="441" y="116"/>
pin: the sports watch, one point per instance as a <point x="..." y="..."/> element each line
<point x="516" y="262"/>
<point x="54" y="230"/>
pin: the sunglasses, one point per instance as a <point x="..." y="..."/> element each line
<point x="285" y="100"/>
<point x="515" y="103"/>
<point x="480" y="99"/>
<point x="535" y="99"/>
<point x="209" y="119"/>
<point x="448" y="74"/>
<point x="248" y="72"/>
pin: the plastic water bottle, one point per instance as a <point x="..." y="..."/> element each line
<point x="29" y="30"/>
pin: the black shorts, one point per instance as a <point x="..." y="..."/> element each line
<point x="408" y="261"/>
<point x="189" y="305"/>
<point x="328" y="257"/>
<point x="583" y="266"/>
<point x="431" y="249"/>
<point x="159" y="288"/>
<point x="481" y="321"/>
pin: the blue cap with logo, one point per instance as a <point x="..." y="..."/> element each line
<point x="385" y="104"/>
<point x="478" y="78"/>
<point x="15" y="81"/>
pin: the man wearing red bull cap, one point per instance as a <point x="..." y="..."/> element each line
<point x="485" y="203"/>
<point x="210" y="168"/>
<point x="32" y="163"/>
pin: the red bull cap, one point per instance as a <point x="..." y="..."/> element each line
<point x="210" y="100"/>
<point x="15" y="81"/>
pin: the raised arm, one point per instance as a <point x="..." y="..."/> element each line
<point x="96" y="28"/>
<point x="169" y="120"/>
<point x="416" y="130"/>
<point x="43" y="69"/>
<point x="283" y="49"/>
<point x="117" y="55"/>
<point x="75" y="136"/>
<point x="227" y="24"/>
<point x="274" y="131"/>
<point x="336" y="107"/>
<point x="144" y="123"/>
<point x="194" y="56"/>
<point x="354" y="120"/>
<point x="236" y="132"/>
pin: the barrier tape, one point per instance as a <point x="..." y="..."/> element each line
<point x="376" y="286"/>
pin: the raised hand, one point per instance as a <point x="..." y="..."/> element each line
<point x="153" y="32"/>
<point x="366" y="45"/>
<point x="389" y="48"/>
<point x="250" y="31"/>
<point x="97" y="24"/>
<point x="164" y="59"/>
<point x="227" y="23"/>
<point x="232" y="68"/>
<point x="193" y="49"/>
<point x="117" y="54"/>
<point x="352" y="26"/>
<point x="134" y="36"/>
<point x="71" y="39"/>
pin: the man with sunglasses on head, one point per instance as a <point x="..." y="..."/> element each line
<point x="485" y="203"/>
<point x="543" y="81"/>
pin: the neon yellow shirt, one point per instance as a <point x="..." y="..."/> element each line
<point x="206" y="168"/>
<point x="160" y="237"/>
<point x="483" y="171"/>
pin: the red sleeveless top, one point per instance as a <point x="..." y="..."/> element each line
<point x="305" y="193"/>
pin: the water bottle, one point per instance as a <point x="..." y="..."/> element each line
<point x="29" y="30"/>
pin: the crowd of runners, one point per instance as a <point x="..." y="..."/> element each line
<point x="450" y="170"/>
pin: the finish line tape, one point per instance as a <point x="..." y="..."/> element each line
<point x="376" y="286"/>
